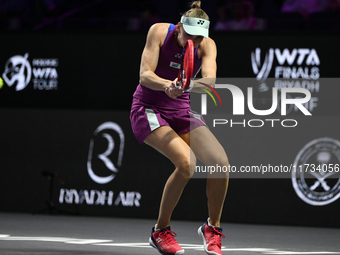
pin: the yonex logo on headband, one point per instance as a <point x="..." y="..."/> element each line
<point x="195" y="21"/>
<point x="195" y="26"/>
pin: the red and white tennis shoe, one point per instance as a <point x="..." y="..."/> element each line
<point x="211" y="237"/>
<point x="164" y="241"/>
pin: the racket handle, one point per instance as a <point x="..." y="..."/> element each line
<point x="191" y="86"/>
<point x="179" y="80"/>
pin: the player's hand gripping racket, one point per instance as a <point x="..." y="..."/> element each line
<point x="185" y="73"/>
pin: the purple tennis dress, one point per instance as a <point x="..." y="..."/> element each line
<point x="152" y="109"/>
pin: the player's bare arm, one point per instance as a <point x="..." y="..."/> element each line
<point x="150" y="55"/>
<point x="208" y="54"/>
<point x="149" y="61"/>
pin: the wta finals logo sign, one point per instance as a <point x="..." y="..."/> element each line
<point x="293" y="64"/>
<point x="262" y="72"/>
<point x="301" y="63"/>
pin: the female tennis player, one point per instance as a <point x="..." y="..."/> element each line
<point x="161" y="117"/>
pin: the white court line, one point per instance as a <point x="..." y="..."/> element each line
<point x="303" y="252"/>
<point x="52" y="239"/>
<point x="103" y="242"/>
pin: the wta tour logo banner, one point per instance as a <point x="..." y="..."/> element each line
<point x="19" y="72"/>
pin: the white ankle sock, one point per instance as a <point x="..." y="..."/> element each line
<point x="210" y="224"/>
<point x="157" y="229"/>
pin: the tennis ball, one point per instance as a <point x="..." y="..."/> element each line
<point x="1" y="83"/>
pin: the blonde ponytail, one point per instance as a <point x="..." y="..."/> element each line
<point x="196" y="4"/>
<point x="196" y="11"/>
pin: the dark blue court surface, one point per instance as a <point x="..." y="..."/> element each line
<point x="52" y="235"/>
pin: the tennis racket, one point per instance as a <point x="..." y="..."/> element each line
<point x="186" y="70"/>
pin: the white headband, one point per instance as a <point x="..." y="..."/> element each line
<point x="196" y="26"/>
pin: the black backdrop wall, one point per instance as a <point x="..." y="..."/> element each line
<point x="66" y="98"/>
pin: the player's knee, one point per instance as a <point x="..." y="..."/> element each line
<point x="186" y="167"/>
<point x="218" y="161"/>
<point x="222" y="167"/>
<point x="224" y="161"/>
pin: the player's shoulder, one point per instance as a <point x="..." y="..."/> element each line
<point x="159" y="28"/>
<point x="208" y="46"/>
<point x="209" y="42"/>
<point x="158" y="32"/>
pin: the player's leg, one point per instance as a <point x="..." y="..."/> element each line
<point x="208" y="149"/>
<point x="167" y="142"/>
<point x="211" y="153"/>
